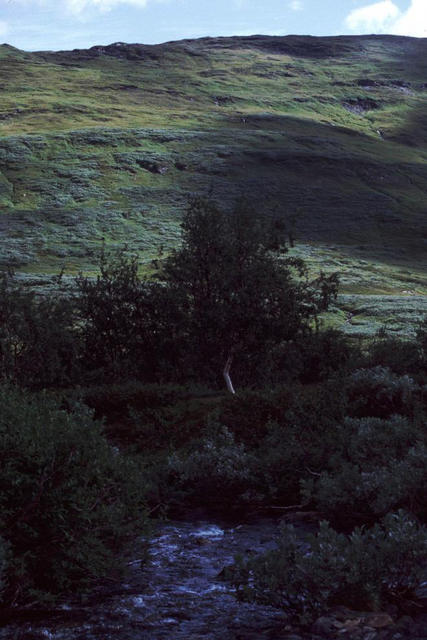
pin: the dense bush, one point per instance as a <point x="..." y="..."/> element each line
<point x="130" y="327"/>
<point x="4" y="558"/>
<point x="323" y="353"/>
<point x="150" y="416"/>
<point x="248" y="414"/>
<point x="397" y="354"/>
<point x="379" y="392"/>
<point x="214" y="467"/>
<point x="366" y="570"/>
<point x="377" y="466"/>
<point x="39" y="344"/>
<point x="115" y="401"/>
<point x="68" y="501"/>
<point x="257" y="443"/>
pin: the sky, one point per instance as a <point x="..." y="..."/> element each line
<point x="35" y="25"/>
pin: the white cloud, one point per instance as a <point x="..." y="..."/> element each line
<point x="373" y="18"/>
<point x="386" y="17"/>
<point x="296" y="5"/>
<point x="78" y="7"/>
<point x="412" y="22"/>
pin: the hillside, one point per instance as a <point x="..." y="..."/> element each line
<point x="103" y="146"/>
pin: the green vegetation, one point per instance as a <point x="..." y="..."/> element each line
<point x="69" y="502"/>
<point x="103" y="146"/>
<point x="365" y="570"/>
<point x="319" y="421"/>
<point x="99" y="151"/>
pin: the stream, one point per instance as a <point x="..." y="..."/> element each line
<point x="178" y="594"/>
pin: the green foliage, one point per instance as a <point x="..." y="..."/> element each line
<point x="238" y="298"/>
<point x="111" y="309"/>
<point x="130" y="327"/>
<point x="380" y="393"/>
<point x="215" y="466"/>
<point x="301" y="440"/>
<point x="39" y="346"/>
<point x="422" y="341"/>
<point x="223" y="293"/>
<point x="149" y="417"/>
<point x="278" y="437"/>
<point x="248" y="414"/>
<point x="366" y="570"/>
<point x="326" y="352"/>
<point x="115" y="401"/>
<point x="4" y="562"/>
<point x="378" y="465"/>
<point x="69" y="502"/>
<point x="400" y="356"/>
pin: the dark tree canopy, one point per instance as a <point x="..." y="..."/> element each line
<point x="229" y="291"/>
<point x="242" y="295"/>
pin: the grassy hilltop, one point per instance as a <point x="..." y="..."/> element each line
<point x="104" y="145"/>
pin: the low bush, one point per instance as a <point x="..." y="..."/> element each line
<point x="399" y="355"/>
<point x="214" y="467"/>
<point x="115" y="401"/>
<point x="68" y="502"/>
<point x="378" y="392"/>
<point x="4" y="558"/>
<point x="378" y="466"/>
<point x="150" y="417"/>
<point x="366" y="570"/>
<point x="323" y="353"/>
<point x="248" y="414"/>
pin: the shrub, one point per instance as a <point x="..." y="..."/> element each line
<point x="130" y="326"/>
<point x="152" y="416"/>
<point x="114" y="401"/>
<point x="215" y="466"/>
<point x="367" y="569"/>
<point x="248" y="414"/>
<point x="380" y="465"/>
<point x="399" y="355"/>
<point x="378" y="392"/>
<point x="4" y="558"/>
<point x="323" y="353"/>
<point x="422" y="343"/>
<point x="68" y="501"/>
<point x="39" y="346"/>
<point x="289" y="433"/>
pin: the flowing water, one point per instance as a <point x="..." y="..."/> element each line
<point x="178" y="594"/>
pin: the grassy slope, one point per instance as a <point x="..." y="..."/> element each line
<point x="105" y="145"/>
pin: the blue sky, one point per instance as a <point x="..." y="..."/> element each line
<point x="67" y="24"/>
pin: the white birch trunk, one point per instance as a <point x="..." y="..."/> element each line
<point x="226" y="374"/>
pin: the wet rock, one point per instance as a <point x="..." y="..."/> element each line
<point x="377" y="620"/>
<point x="325" y="626"/>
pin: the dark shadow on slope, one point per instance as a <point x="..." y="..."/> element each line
<point x="414" y="131"/>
